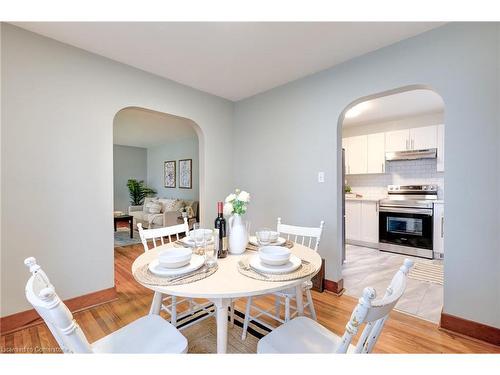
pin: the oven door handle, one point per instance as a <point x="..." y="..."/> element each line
<point x="402" y="210"/>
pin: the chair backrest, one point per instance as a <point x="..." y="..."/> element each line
<point x="159" y="233"/>
<point x="308" y="236"/>
<point x="42" y="295"/>
<point x="374" y="312"/>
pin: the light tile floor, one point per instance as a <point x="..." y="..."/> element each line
<point x="370" y="267"/>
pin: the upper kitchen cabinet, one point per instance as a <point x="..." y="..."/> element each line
<point x="423" y="138"/>
<point x="356" y="154"/>
<point x="366" y="153"/>
<point x="397" y="140"/>
<point x="440" y="148"/>
<point x="411" y="139"/>
<point x="376" y="153"/>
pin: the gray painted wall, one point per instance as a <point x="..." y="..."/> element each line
<point x="288" y="134"/>
<point x="128" y="162"/>
<point x="181" y="149"/>
<point x="58" y="187"/>
<point x="281" y="139"/>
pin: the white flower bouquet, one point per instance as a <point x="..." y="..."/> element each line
<point x="236" y="203"/>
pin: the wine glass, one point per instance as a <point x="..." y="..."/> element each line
<point x="198" y="237"/>
<point x="210" y="253"/>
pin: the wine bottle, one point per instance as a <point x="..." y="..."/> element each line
<point x="220" y="226"/>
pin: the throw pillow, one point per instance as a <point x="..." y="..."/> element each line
<point x="154" y="207"/>
<point x="190" y="212"/>
<point x="147" y="203"/>
<point x="169" y="204"/>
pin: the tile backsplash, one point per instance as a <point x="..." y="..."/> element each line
<point x="400" y="172"/>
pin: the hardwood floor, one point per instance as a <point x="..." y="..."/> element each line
<point x="402" y="333"/>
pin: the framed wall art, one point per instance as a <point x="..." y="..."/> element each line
<point x="185" y="174"/>
<point x="169" y="174"/>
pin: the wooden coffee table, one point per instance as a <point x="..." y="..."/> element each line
<point x="126" y="218"/>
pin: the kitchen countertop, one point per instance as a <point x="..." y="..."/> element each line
<point x="365" y="198"/>
<point x="369" y="198"/>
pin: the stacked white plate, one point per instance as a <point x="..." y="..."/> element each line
<point x="195" y="263"/>
<point x="189" y="242"/>
<point x="275" y="260"/>
<point x="290" y="266"/>
<point x="280" y="241"/>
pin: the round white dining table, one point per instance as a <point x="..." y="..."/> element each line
<point x="226" y="284"/>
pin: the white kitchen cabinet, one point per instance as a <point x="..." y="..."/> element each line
<point x="369" y="222"/>
<point x="376" y="153"/>
<point x="356" y="153"/>
<point x="438" y="239"/>
<point x="361" y="222"/>
<point x="440" y="148"/>
<point x="366" y="153"/>
<point x="397" y="140"/>
<point x="411" y="139"/>
<point x="353" y="220"/>
<point x="423" y="138"/>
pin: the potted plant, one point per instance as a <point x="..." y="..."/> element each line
<point x="138" y="191"/>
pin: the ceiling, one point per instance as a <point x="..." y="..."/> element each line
<point x="233" y="60"/>
<point x="143" y="128"/>
<point x="396" y="106"/>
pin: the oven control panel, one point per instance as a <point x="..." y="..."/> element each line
<point x="402" y="189"/>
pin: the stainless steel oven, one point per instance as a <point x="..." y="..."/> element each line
<point x="406" y="220"/>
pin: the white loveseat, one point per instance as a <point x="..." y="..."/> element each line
<point x="168" y="215"/>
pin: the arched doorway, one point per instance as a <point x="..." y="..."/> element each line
<point x="393" y="149"/>
<point x="160" y="155"/>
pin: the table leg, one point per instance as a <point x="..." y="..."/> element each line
<point x="300" y="300"/>
<point x="221" y="305"/>
<point x="131" y="225"/>
<point x="115" y="225"/>
<point x="156" y="304"/>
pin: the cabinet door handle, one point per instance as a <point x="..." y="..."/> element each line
<point x="412" y="144"/>
<point x="376" y="206"/>
<point x="442" y="226"/>
<point x="382" y="167"/>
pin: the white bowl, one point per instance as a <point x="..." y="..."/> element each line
<point x="207" y="233"/>
<point x="274" y="255"/>
<point x="175" y="258"/>
<point x="273" y="236"/>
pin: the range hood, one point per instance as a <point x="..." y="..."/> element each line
<point x="430" y="153"/>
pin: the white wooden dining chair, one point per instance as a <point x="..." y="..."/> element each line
<point x="304" y="335"/>
<point x="149" y="334"/>
<point x="157" y="237"/>
<point x="306" y="236"/>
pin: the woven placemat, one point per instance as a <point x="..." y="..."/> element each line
<point x="288" y="244"/>
<point x="143" y="275"/>
<point x="304" y="270"/>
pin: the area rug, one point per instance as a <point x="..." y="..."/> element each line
<point x="426" y="271"/>
<point x="122" y="237"/>
<point x="202" y="336"/>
